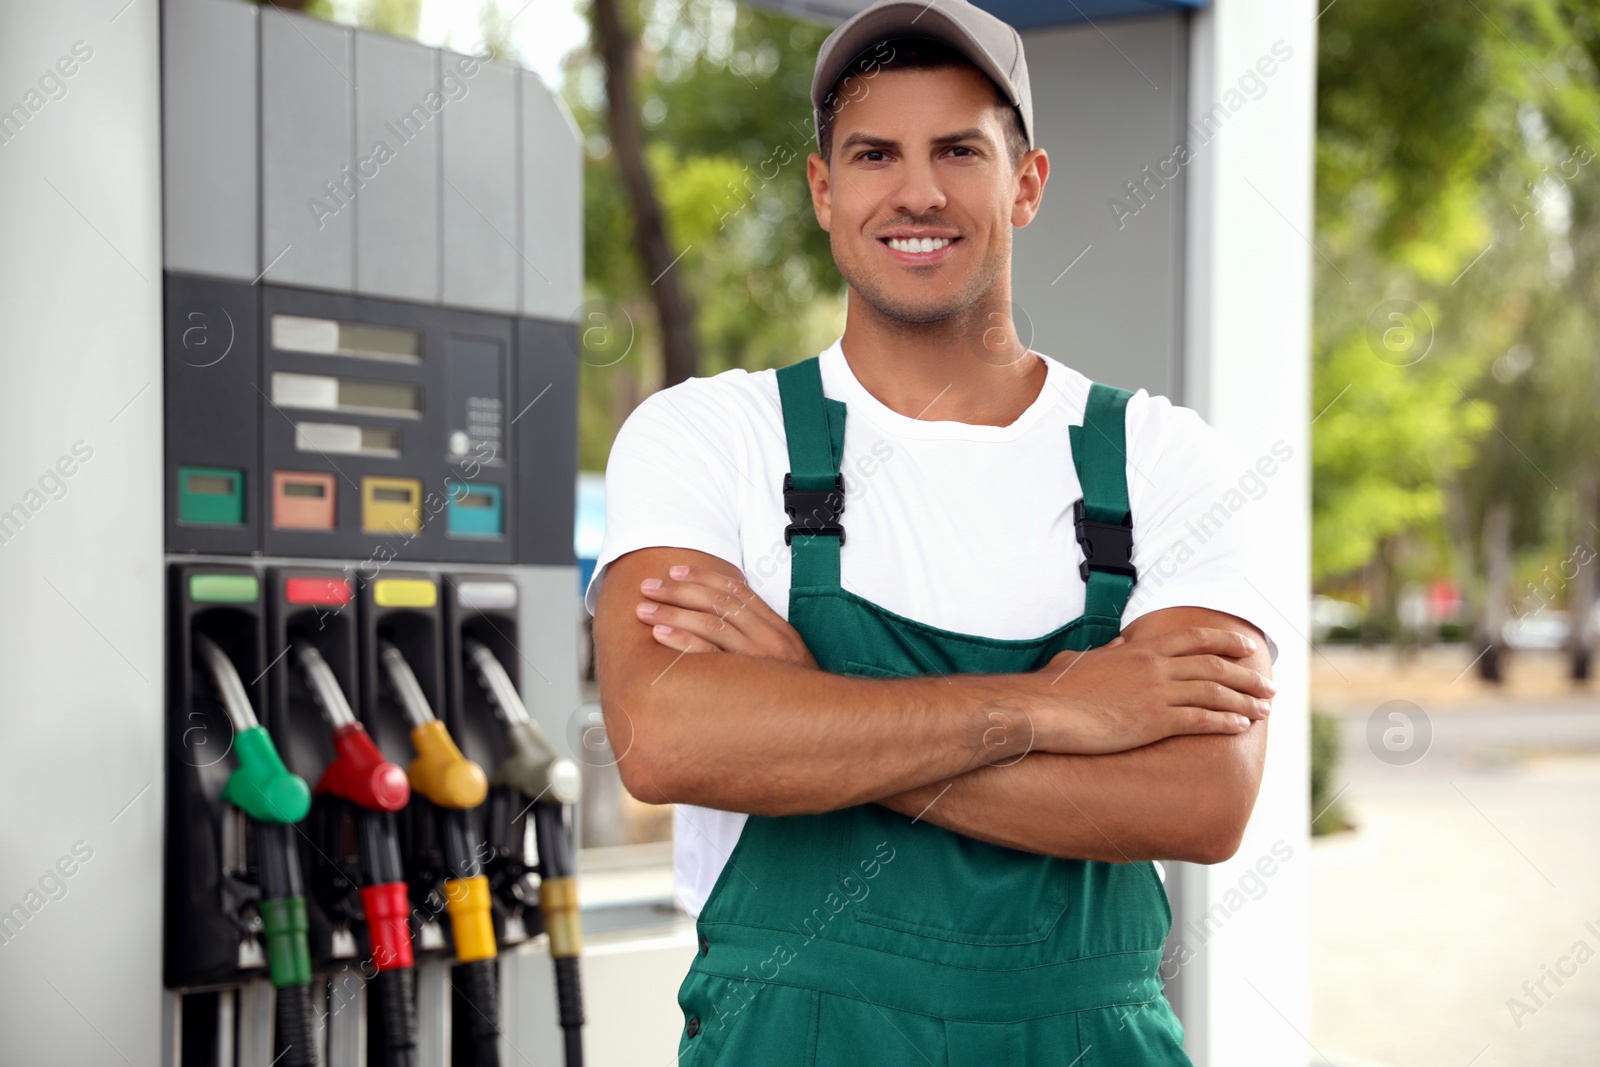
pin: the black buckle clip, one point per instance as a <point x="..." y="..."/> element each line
<point x="813" y="511"/>
<point x="1107" y="546"/>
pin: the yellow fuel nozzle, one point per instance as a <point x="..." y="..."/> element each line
<point x="441" y="773"/>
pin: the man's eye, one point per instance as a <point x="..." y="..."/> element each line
<point x="871" y="152"/>
<point x="962" y="148"/>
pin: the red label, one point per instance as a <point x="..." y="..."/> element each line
<point x="316" y="591"/>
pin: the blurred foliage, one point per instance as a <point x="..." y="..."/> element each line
<point x="1327" y="816"/>
<point x="1456" y="175"/>
<point x="724" y="95"/>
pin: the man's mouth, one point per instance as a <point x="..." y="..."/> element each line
<point x="916" y="250"/>
<point x="917" y="244"/>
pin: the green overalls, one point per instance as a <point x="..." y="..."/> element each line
<point x="863" y="936"/>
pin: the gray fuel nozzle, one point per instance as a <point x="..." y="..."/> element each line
<point x="534" y="767"/>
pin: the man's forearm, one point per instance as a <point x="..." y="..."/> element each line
<point x="1185" y="798"/>
<point x="770" y="738"/>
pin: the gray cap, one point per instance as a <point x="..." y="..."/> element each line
<point x="989" y="42"/>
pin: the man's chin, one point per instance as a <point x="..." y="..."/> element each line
<point x="910" y="312"/>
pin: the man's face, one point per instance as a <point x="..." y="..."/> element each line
<point x="919" y="161"/>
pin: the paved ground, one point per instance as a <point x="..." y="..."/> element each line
<point x="1475" y="869"/>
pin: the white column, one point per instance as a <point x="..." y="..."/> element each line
<point x="81" y="699"/>
<point x="1247" y="370"/>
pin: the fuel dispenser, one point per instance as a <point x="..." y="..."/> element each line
<point x="365" y="402"/>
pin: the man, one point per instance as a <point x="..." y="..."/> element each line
<point x="868" y="623"/>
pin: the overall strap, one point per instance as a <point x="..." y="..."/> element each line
<point x="1104" y="520"/>
<point x="813" y="490"/>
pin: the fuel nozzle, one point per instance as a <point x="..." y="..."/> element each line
<point x="534" y="768"/>
<point x="440" y="772"/>
<point x="552" y="784"/>
<point x="364" y="782"/>
<point x="455" y="784"/>
<point x="260" y="786"/>
<point x="274" y="798"/>
<point x="358" y="773"/>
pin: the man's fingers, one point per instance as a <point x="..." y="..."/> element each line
<point x="681" y="640"/>
<point x="1201" y="640"/>
<point x="1215" y="696"/>
<point x="708" y="592"/>
<point x="1213" y="668"/>
<point x="1189" y="720"/>
<point x="710" y="629"/>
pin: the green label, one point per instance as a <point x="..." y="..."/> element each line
<point x="224" y="588"/>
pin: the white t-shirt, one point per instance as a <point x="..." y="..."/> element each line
<point x="960" y="526"/>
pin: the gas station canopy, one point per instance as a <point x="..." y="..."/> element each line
<point x="1023" y="14"/>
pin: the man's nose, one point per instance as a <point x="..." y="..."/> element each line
<point x="919" y="191"/>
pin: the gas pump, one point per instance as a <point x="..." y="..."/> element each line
<point x="344" y="415"/>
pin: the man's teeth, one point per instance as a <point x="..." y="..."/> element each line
<point x="918" y="244"/>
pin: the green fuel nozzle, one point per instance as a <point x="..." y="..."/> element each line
<point x="261" y="786"/>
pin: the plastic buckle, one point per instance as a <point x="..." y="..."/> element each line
<point x="1107" y="546"/>
<point x="813" y="511"/>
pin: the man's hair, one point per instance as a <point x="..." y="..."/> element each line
<point x="909" y="53"/>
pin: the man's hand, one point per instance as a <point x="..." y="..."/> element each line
<point x="1132" y="692"/>
<point x="697" y="610"/>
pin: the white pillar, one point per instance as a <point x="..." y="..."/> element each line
<point x="1247" y="370"/>
<point x="81" y="676"/>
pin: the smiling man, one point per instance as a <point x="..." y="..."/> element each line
<point x="867" y="622"/>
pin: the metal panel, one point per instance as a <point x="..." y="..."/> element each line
<point x="544" y="433"/>
<point x="81" y="767"/>
<point x="482" y="264"/>
<point x="213" y="365"/>
<point x="398" y="111"/>
<point x="1096" y="285"/>
<point x="308" y="183"/>
<point x="552" y="195"/>
<point x="210" y="162"/>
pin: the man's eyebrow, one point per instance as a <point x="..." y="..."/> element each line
<point x="971" y="133"/>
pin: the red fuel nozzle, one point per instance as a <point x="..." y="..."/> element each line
<point x="360" y="774"/>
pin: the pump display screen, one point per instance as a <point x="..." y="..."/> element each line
<point x="475" y="500"/>
<point x="360" y="340"/>
<point x="391" y="496"/>
<point x="315" y="490"/>
<point x="322" y="392"/>
<point x="209" y="484"/>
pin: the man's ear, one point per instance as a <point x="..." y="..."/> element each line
<point x="1032" y="172"/>
<point x="821" y="189"/>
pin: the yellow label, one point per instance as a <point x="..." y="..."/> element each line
<point x="391" y="505"/>
<point x="405" y="593"/>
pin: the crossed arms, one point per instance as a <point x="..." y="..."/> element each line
<point x="1150" y="747"/>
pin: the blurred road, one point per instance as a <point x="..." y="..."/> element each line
<point x="1475" y="869"/>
